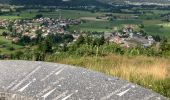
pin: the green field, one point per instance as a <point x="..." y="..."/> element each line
<point x="28" y="14"/>
<point x="11" y="17"/>
<point x="103" y="26"/>
<point x="156" y="27"/>
<point x="152" y="24"/>
<point x="71" y="14"/>
<point x="2" y="30"/>
<point x="6" y="45"/>
<point x="56" y="14"/>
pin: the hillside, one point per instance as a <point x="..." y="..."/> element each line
<point x="54" y="2"/>
<point x="152" y="1"/>
<point x="74" y="2"/>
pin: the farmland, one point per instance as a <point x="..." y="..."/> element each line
<point x="56" y="14"/>
<point x="104" y="25"/>
<point x="150" y="19"/>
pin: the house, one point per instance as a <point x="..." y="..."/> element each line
<point x="118" y="40"/>
<point x="107" y="35"/>
<point x="15" y="40"/>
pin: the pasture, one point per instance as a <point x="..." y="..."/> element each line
<point x="6" y="45"/>
<point x="162" y="29"/>
<point x="28" y="14"/>
<point x="102" y="26"/>
<point x="10" y="17"/>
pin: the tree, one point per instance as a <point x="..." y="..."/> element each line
<point x="80" y="40"/>
<point x="88" y="40"/>
<point x="143" y="32"/>
<point x="157" y="38"/>
<point x="46" y="46"/>
<point x="134" y="52"/>
<point x="4" y="33"/>
<point x="38" y="16"/>
<point x="39" y="36"/>
<point x="141" y="25"/>
<point x="101" y="40"/>
<point x="68" y="38"/>
<point x="38" y="55"/>
<point x="17" y="55"/>
<point x="10" y="27"/>
<point x="165" y="46"/>
<point x="24" y="40"/>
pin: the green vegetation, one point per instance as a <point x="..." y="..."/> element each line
<point x="56" y="13"/>
<point x="71" y="14"/>
<point x="149" y="72"/>
<point x="29" y="14"/>
<point x="148" y="67"/>
<point x="157" y="29"/>
<point x="152" y="26"/>
<point x="102" y="26"/>
<point x="7" y="47"/>
<point x="9" y="17"/>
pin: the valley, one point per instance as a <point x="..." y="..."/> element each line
<point x="128" y="41"/>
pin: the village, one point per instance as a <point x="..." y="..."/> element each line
<point x="29" y="27"/>
<point x="126" y="37"/>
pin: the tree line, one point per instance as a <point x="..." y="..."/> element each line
<point x="63" y="45"/>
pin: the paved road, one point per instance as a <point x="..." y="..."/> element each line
<point x="49" y="81"/>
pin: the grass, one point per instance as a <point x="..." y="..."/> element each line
<point x="2" y="30"/>
<point x="71" y="14"/>
<point x="28" y="14"/>
<point x="157" y="29"/>
<point x="92" y="19"/>
<point x="11" y="17"/>
<point x="6" y="45"/>
<point x="154" y="25"/>
<point x="103" y="26"/>
<point x="152" y="73"/>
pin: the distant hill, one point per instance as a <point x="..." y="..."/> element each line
<point x="74" y="2"/>
<point x="151" y="1"/>
<point x="55" y="2"/>
<point x="5" y="1"/>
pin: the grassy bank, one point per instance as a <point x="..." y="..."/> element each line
<point x="150" y="72"/>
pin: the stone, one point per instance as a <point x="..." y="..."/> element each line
<point x="30" y="80"/>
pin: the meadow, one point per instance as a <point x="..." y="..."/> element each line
<point x="10" y="17"/>
<point x="157" y="28"/>
<point x="29" y="14"/>
<point x="6" y="45"/>
<point x="102" y="26"/>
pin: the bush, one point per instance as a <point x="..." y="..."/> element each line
<point x="11" y="48"/>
